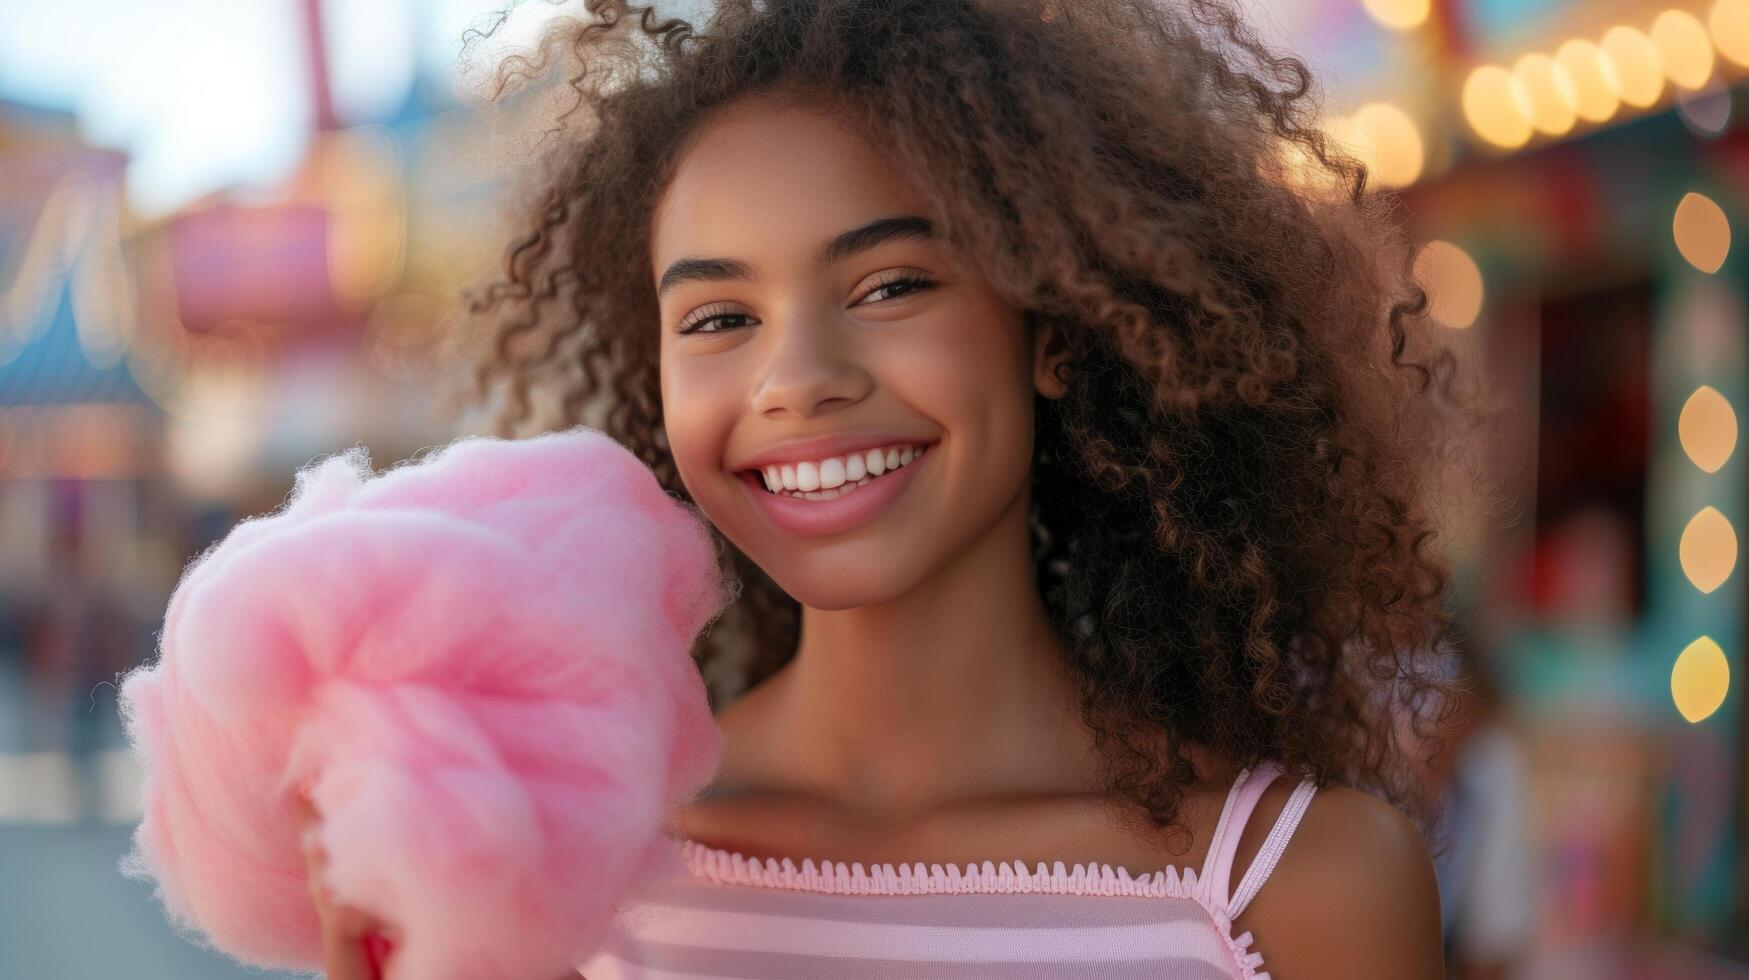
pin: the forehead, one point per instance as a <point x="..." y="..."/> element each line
<point x="770" y="180"/>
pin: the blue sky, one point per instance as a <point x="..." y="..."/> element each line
<point x="206" y="94"/>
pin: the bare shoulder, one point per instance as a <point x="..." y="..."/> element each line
<point x="1353" y="895"/>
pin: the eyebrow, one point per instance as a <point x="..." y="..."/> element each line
<point x="842" y="246"/>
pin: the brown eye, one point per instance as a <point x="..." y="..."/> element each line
<point x="907" y="283"/>
<point x="700" y="323"/>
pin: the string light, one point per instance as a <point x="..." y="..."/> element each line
<point x="1595" y="98"/>
<point x="1399" y="15"/>
<point x="1707" y="428"/>
<point x="1700" y="679"/>
<point x="1708" y="550"/>
<point x="1638" y="68"/>
<point x="1703" y="233"/>
<point x="1729" y="25"/>
<point x="1684" y="47"/>
<point x="1554" y="99"/>
<point x="1397" y="151"/>
<point x="1453" y="283"/>
<point x="1497" y="107"/>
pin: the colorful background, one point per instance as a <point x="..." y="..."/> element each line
<point x="230" y="229"/>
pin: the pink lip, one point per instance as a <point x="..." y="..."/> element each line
<point x="814" y="518"/>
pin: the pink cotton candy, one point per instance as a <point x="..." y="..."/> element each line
<point x="478" y="661"/>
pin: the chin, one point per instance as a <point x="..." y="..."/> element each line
<point x="830" y="589"/>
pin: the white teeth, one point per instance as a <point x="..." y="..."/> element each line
<point x="831" y="473"/>
<point x="827" y="479"/>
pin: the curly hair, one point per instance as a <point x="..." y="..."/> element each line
<point x="1234" y="503"/>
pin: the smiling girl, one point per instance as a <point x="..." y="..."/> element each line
<point x="1070" y="420"/>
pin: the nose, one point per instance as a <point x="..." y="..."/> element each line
<point x="810" y="367"/>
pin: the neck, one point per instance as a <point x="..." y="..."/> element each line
<point x="956" y="688"/>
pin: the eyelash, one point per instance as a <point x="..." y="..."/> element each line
<point x="919" y="282"/>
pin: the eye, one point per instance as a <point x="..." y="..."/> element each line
<point x="911" y="281"/>
<point x="699" y="322"/>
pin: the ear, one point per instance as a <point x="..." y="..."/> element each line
<point x="1050" y="358"/>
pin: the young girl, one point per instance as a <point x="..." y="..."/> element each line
<point x="1068" y="413"/>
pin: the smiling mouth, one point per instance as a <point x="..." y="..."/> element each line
<point x="847" y="473"/>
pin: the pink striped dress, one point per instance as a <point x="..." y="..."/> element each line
<point x="737" y="917"/>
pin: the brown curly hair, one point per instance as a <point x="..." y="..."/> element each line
<point x="1233" y="503"/>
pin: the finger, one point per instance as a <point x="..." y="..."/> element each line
<point x="377" y="947"/>
<point x="347" y="932"/>
<point x="344" y="956"/>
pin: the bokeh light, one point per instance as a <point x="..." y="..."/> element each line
<point x="1399" y="15"/>
<point x="1497" y="107"/>
<point x="1708" y="549"/>
<point x="1587" y="69"/>
<point x="1554" y="99"/>
<point x="1707" y="428"/>
<point x="1684" y="47"/>
<point x="1637" y="68"/>
<point x="1453" y="283"/>
<point x="1396" y="148"/>
<point x="1729" y="25"/>
<point x="1703" y="233"/>
<point x="1700" y="679"/>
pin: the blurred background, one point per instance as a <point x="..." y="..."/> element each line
<point x="230" y="229"/>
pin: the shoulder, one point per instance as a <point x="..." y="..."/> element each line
<point x="1353" y="894"/>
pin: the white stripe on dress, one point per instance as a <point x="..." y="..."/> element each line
<point x="756" y="932"/>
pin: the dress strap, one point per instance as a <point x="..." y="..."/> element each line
<point x="1273" y="845"/>
<point x="1217" y="868"/>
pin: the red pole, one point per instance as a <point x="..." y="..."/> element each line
<point x="317" y="56"/>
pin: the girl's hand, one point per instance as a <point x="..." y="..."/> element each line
<point x="347" y="931"/>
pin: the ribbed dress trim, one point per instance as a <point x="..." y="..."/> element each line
<point x="838" y="878"/>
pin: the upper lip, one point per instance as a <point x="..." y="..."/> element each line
<point x="825" y="447"/>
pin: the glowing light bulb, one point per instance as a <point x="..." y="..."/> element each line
<point x="1595" y="94"/>
<point x="1453" y="283"/>
<point x="1684" y="47"/>
<point x="1707" y="428"/>
<point x="1497" y="107"/>
<point x="1729" y="25"/>
<point x="1703" y="233"/>
<point x="1399" y="15"/>
<point x="1700" y="679"/>
<point x="1398" y="154"/>
<point x="1638" y="68"/>
<point x="1708" y="549"/>
<point x="1554" y="99"/>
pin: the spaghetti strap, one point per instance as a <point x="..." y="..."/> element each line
<point x="1264" y="862"/>
<point x="1217" y="867"/>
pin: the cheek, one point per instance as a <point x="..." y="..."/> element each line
<point x="697" y="413"/>
<point x="972" y="377"/>
<point x="981" y="366"/>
